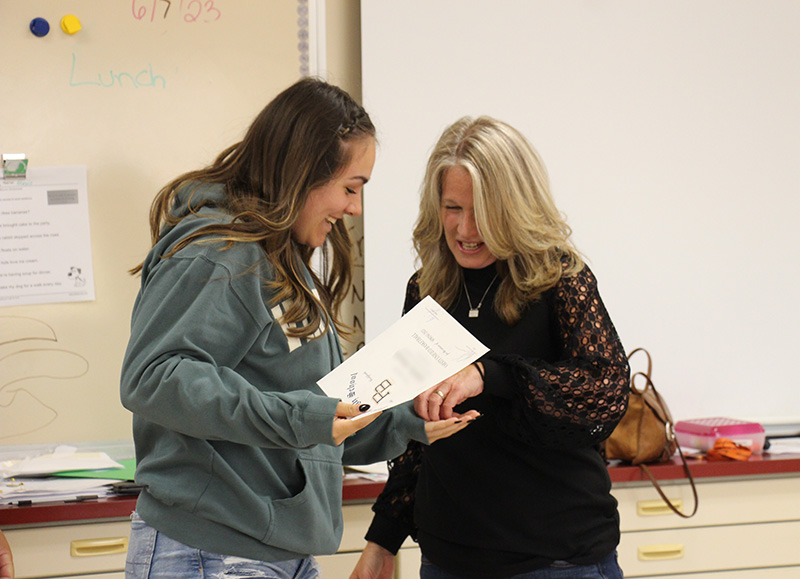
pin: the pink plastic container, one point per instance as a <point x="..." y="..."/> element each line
<point x="702" y="433"/>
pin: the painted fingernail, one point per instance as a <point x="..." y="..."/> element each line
<point x="364" y="407"/>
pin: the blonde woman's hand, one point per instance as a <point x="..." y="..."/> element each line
<point x="344" y="427"/>
<point x="375" y="563"/>
<point x="437" y="403"/>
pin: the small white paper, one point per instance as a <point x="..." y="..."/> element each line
<point x="784" y="445"/>
<point x="45" y="244"/>
<point x="418" y="351"/>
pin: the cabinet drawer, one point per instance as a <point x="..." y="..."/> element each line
<point x="774" y="573"/>
<point x="727" y="502"/>
<point x="706" y="549"/>
<point x="357" y="519"/>
<point x="69" y="549"/>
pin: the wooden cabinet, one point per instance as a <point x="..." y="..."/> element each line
<point x="744" y="529"/>
<point x="747" y="527"/>
<point x="71" y="550"/>
<point x="98" y="549"/>
<point x="742" y="526"/>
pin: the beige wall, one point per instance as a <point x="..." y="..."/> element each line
<point x="344" y="69"/>
<point x="344" y="44"/>
<point x="60" y="362"/>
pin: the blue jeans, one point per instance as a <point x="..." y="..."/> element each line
<point x="608" y="568"/>
<point x="153" y="555"/>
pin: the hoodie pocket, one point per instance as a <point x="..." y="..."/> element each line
<point x="310" y="522"/>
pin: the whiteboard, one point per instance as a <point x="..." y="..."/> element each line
<point x="146" y="90"/>
<point x="671" y="131"/>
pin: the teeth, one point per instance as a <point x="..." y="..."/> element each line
<point x="470" y="246"/>
<point x="331" y="220"/>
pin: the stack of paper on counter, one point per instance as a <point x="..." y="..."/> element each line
<point x="418" y="351"/>
<point x="63" y="475"/>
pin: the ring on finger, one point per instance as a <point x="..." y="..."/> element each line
<point x="440" y="393"/>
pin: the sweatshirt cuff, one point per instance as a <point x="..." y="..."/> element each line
<point x="387" y="533"/>
<point x="318" y="414"/>
<point x="498" y="379"/>
<point x="414" y="425"/>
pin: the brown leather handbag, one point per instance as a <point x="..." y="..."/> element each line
<point x="645" y="434"/>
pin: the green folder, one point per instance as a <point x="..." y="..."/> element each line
<point x="124" y="473"/>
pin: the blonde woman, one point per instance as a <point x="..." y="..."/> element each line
<point x="524" y="492"/>
<point x="239" y="451"/>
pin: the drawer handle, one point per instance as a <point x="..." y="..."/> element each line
<point x="657" y="507"/>
<point x="660" y="552"/>
<point x="94" y="547"/>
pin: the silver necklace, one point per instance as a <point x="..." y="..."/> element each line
<point x="475" y="312"/>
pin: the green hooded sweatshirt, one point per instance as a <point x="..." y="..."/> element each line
<point x="233" y="436"/>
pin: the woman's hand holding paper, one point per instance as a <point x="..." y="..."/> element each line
<point x="438" y="402"/>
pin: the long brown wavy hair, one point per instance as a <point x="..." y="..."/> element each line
<point x="296" y="143"/>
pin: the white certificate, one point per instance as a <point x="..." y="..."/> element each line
<point x="418" y="351"/>
<point x="45" y="246"/>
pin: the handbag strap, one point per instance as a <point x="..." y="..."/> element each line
<point x="659" y="406"/>
<point x="661" y="492"/>
<point x="670" y="435"/>
<point x="649" y="373"/>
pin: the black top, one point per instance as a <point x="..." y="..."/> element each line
<point x="525" y="484"/>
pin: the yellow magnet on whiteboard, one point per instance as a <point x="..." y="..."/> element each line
<point x="70" y="24"/>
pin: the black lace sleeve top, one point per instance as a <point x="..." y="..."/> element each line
<point x="556" y="385"/>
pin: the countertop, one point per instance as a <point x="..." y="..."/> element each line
<point x="360" y="490"/>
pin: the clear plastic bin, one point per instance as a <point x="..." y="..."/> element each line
<point x="702" y="433"/>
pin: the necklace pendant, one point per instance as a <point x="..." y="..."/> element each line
<point x="475" y="312"/>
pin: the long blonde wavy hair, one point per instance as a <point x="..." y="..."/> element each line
<point x="297" y="143"/>
<point x="514" y="212"/>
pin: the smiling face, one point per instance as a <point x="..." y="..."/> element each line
<point x="339" y="196"/>
<point x="458" y="219"/>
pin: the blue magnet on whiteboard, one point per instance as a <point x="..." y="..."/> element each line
<point x="40" y="27"/>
